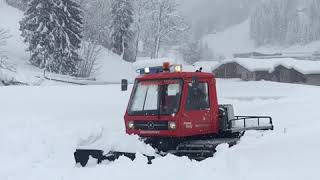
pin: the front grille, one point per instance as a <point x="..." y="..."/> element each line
<point x="151" y="125"/>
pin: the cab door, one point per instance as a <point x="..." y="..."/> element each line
<point x="197" y="112"/>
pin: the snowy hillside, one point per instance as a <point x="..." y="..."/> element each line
<point x="236" y="39"/>
<point x="39" y="141"/>
<point x="9" y="20"/>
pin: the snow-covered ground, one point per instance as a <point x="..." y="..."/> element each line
<point x="42" y="126"/>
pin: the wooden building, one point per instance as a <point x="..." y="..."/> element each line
<point x="284" y="74"/>
<point x="269" y="72"/>
<point x="233" y="70"/>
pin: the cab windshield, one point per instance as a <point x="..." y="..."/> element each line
<point x="161" y="97"/>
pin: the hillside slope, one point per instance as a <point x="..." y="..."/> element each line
<point x="235" y="39"/>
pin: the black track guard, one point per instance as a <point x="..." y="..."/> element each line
<point x="82" y="156"/>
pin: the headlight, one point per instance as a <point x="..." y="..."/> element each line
<point x="172" y="125"/>
<point x="130" y="124"/>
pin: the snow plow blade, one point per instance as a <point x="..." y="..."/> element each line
<point x="82" y="156"/>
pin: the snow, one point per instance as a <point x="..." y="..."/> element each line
<point x="303" y="66"/>
<point x="38" y="142"/>
<point x="112" y="68"/>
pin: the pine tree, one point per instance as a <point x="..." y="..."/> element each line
<point x="52" y="29"/>
<point x="121" y="34"/>
<point x="36" y="29"/>
<point x="67" y="34"/>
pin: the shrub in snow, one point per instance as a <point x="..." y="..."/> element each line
<point x="4" y="35"/>
<point x="194" y="51"/>
<point x="89" y="54"/>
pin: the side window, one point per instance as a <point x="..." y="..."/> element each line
<point x="198" y="98"/>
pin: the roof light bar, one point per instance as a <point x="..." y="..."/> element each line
<point x="178" y="68"/>
<point x="159" y="69"/>
<point x="146" y="70"/>
<point x="166" y="66"/>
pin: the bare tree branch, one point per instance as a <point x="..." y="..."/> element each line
<point x="89" y="54"/>
<point x="4" y="35"/>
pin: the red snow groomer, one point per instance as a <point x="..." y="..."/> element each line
<point x="178" y="112"/>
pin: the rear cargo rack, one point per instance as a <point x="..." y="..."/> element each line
<point x="245" y="123"/>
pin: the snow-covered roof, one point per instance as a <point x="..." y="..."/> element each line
<point x="303" y="66"/>
<point x="207" y="66"/>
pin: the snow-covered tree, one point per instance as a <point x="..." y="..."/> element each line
<point x="21" y="4"/>
<point x="315" y="19"/>
<point x="121" y="34"/>
<point x="286" y="22"/>
<point x="97" y="19"/>
<point x="190" y="52"/>
<point x="67" y="34"/>
<point x="36" y="29"/>
<point x="193" y="51"/>
<point x="164" y="28"/>
<point x="52" y="29"/>
<point x="140" y="24"/>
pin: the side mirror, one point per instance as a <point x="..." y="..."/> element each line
<point x="195" y="82"/>
<point x="124" y="85"/>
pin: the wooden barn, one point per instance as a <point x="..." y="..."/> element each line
<point x="313" y="79"/>
<point x="233" y="70"/>
<point x="284" y="74"/>
<point x="262" y="75"/>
